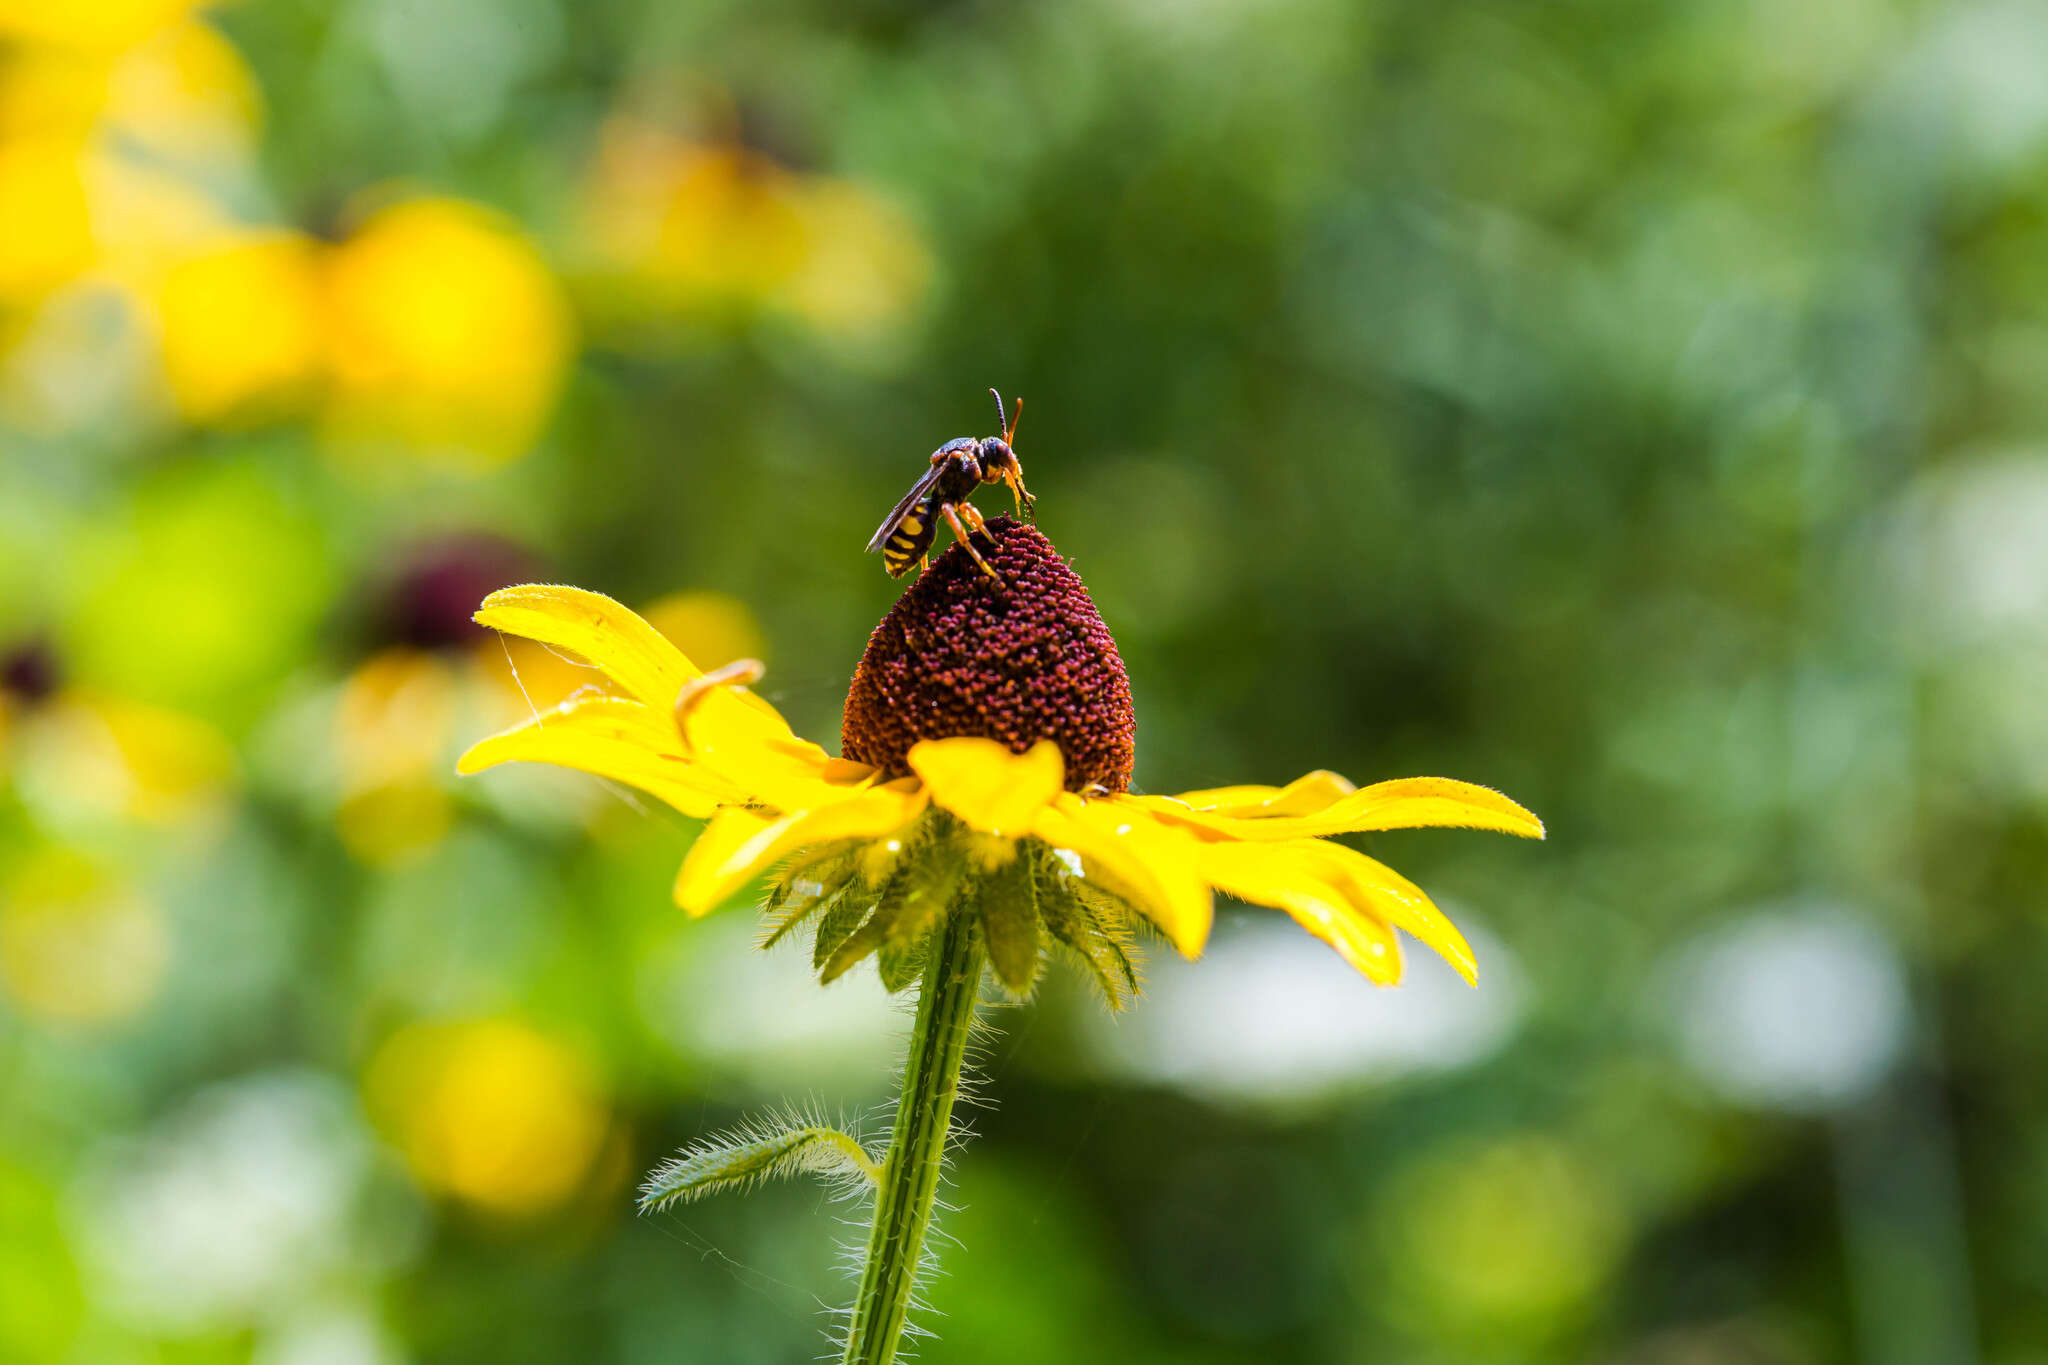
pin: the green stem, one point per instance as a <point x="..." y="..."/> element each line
<point x="924" y="1117"/>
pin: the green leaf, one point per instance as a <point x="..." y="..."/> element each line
<point x="1009" y="923"/>
<point x="776" y="1146"/>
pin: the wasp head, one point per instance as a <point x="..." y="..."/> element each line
<point x="999" y="464"/>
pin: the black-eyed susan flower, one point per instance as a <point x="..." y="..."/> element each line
<point x="980" y="809"/>
<point x="988" y="736"/>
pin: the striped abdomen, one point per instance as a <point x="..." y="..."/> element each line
<point x="910" y="538"/>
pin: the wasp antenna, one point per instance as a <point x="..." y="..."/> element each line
<point x="1002" y="422"/>
<point x="1010" y="432"/>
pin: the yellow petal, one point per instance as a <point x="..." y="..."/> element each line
<point x="1413" y="802"/>
<point x="1390" y="896"/>
<point x="731" y="847"/>
<point x="1305" y="795"/>
<point x="592" y="626"/>
<point x="723" y="732"/>
<point x="1407" y="803"/>
<point x="1275" y="875"/>
<point x="739" y="844"/>
<point x="986" y="785"/>
<point x="1151" y="864"/>
<point x="613" y="738"/>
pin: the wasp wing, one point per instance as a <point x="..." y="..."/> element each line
<point x="902" y="509"/>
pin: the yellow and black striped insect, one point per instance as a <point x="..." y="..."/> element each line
<point x="958" y="468"/>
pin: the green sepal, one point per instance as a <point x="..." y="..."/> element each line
<point x="931" y="874"/>
<point x="840" y="920"/>
<point x="1009" y="923"/>
<point x="862" y="941"/>
<point x="901" y="964"/>
<point x="806" y="886"/>
<point x="775" y="1146"/>
<point x="1094" y="925"/>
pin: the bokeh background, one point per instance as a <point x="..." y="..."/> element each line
<point x="1639" y="408"/>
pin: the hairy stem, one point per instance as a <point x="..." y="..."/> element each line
<point x="910" y="1176"/>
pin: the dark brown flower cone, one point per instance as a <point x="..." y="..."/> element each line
<point x="1018" y="662"/>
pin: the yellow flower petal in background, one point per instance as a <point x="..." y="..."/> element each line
<point x="185" y="95"/>
<point x="239" y="325"/>
<point x="986" y="785"/>
<point x="49" y="235"/>
<point x="739" y="844"/>
<point x="449" y="336"/>
<point x="867" y="268"/>
<point x="98" y="24"/>
<point x="77" y="947"/>
<point x="52" y="91"/>
<point x="626" y="649"/>
<point x="608" y="737"/>
<point x="710" y="628"/>
<point x="695" y="224"/>
<point x="489" y="1111"/>
<point x="89" y="757"/>
<point x="1150" y="865"/>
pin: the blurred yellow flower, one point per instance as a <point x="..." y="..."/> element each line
<point x="76" y="947"/>
<point x="185" y="94"/>
<point x="490" y="1111"/>
<point x="49" y="236"/>
<point x="240" y="326"/>
<point x="710" y="748"/>
<point x="50" y="91"/>
<point x="99" y="149"/>
<point x="710" y="627"/>
<point x="86" y="756"/>
<point x="391" y="729"/>
<point x="448" y="334"/>
<point x="712" y="227"/>
<point x="91" y="24"/>
<point x="868" y="267"/>
<point x="701" y="224"/>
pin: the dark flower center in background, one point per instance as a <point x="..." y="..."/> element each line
<point x="431" y="598"/>
<point x="1026" y="660"/>
<point x="29" y="671"/>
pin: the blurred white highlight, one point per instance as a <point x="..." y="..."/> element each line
<point x="1800" y="1008"/>
<point x="1271" y="1016"/>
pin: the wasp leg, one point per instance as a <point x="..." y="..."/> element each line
<point x="965" y="537"/>
<point x="1027" y="506"/>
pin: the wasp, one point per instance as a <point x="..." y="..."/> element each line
<point x="958" y="468"/>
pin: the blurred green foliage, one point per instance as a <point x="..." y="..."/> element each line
<point x="1636" y="408"/>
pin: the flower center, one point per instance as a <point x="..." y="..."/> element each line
<point x="1020" y="661"/>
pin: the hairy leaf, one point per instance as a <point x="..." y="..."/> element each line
<point x="746" y="1156"/>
